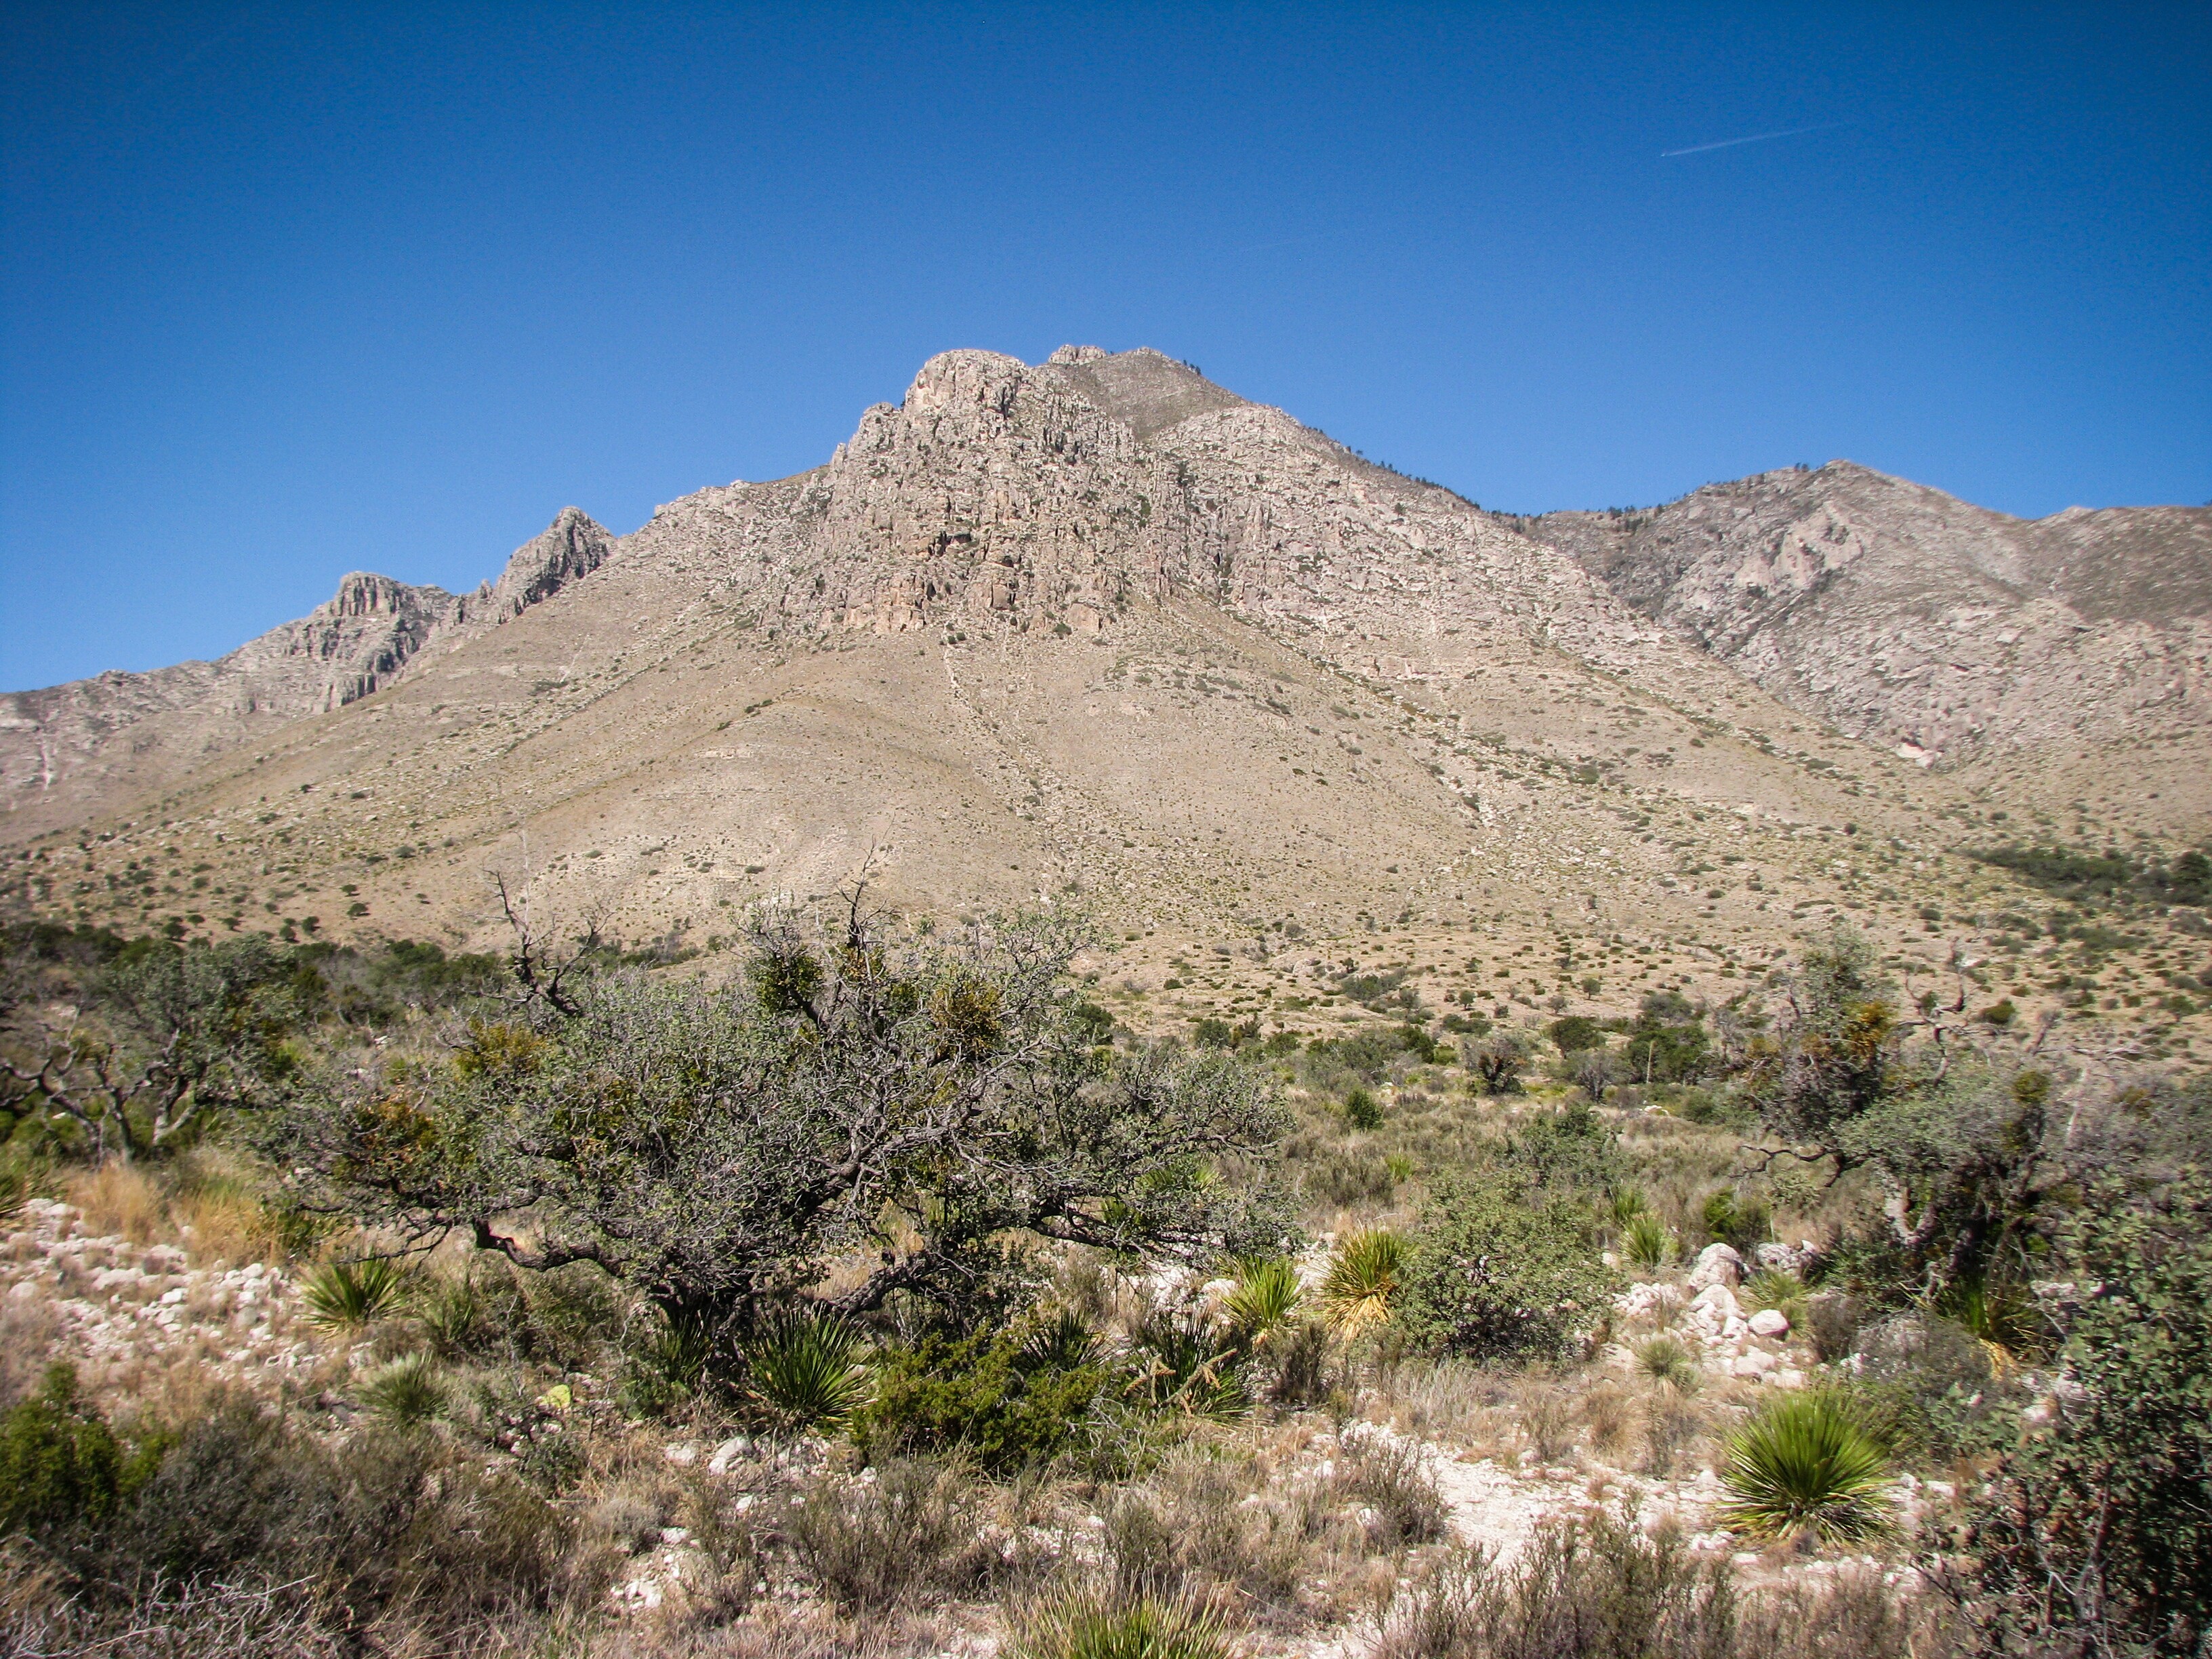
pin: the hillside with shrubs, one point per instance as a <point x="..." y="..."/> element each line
<point x="880" y="1290"/>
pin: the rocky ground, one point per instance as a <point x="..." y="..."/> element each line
<point x="1503" y="1454"/>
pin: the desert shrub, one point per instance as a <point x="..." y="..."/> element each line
<point x="1495" y="1062"/>
<point x="1095" y="1621"/>
<point x="1669" y="1043"/>
<point x="351" y="1295"/>
<point x="1743" y="1222"/>
<point x="1804" y="1463"/>
<point x="1360" y="1289"/>
<point x="984" y="1397"/>
<point x="2097" y="1533"/>
<point x="805" y="1369"/>
<point x="1575" y="1033"/>
<point x="1928" y="1388"/>
<point x="568" y="1313"/>
<point x="1495" y="1277"/>
<point x="1832" y="1320"/>
<point x="1205" y="1521"/>
<point x="1563" y="1151"/>
<point x="392" y="1524"/>
<point x="1386" y="1474"/>
<point x="1361" y="1110"/>
<point x="61" y="1467"/>
<point x="713" y="1147"/>
<point x="904" y="1536"/>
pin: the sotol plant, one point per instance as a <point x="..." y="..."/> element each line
<point x="406" y="1391"/>
<point x="1646" y="1242"/>
<point x="353" y="1295"/>
<point x="1665" y="1360"/>
<point x="1804" y="1463"/>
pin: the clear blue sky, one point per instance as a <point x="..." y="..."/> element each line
<point x="287" y="291"/>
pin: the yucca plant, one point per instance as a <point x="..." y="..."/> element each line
<point x="1646" y="1242"/>
<point x="1097" y="1621"/>
<point x="1265" y="1301"/>
<point x="1804" y="1463"/>
<point x="806" y="1370"/>
<point x="354" y="1295"/>
<point x="406" y="1391"/>
<point x="1665" y="1360"/>
<point x="1360" y="1289"/>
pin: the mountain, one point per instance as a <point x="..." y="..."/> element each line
<point x="1091" y="632"/>
<point x="2032" y="652"/>
<point x="72" y="750"/>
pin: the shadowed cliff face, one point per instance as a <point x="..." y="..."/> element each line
<point x="1916" y="621"/>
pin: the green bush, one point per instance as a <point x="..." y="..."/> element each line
<point x="1574" y="1033"/>
<point x="1496" y="1276"/>
<point x="1804" y="1463"/>
<point x="1360" y="1110"/>
<point x="2097" y="1532"/>
<point x="983" y="1396"/>
<point x="60" y="1466"/>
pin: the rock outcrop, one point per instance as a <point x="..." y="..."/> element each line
<point x="1907" y="617"/>
<point x="69" y="749"/>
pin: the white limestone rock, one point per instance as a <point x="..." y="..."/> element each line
<point x="1717" y="1264"/>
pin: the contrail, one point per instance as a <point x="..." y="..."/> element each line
<point x="1755" y="138"/>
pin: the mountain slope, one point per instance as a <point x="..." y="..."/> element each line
<point x="2030" y="653"/>
<point x="74" y="750"/>
<point x="1092" y="628"/>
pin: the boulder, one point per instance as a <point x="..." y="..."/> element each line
<point x="1770" y="1321"/>
<point x="1717" y="1264"/>
<point x="1720" y="1299"/>
<point x="729" y="1452"/>
<point x="1784" y="1258"/>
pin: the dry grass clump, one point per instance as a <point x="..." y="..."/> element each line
<point x="1209" y="1521"/>
<point x="123" y="1199"/>
<point x="906" y="1534"/>
<point x="1388" y="1476"/>
<point x="1598" y="1587"/>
